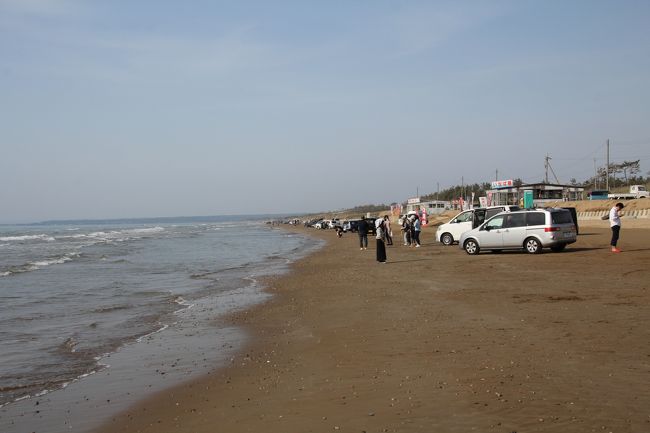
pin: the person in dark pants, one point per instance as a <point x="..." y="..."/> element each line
<point x="389" y="233"/>
<point x="415" y="230"/>
<point x="363" y="234"/>
<point x="381" y="240"/>
<point x="417" y="227"/>
<point x="615" y="224"/>
<point x="406" y="228"/>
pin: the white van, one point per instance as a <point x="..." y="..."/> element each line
<point x="450" y="232"/>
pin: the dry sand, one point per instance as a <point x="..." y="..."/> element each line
<point x="434" y="341"/>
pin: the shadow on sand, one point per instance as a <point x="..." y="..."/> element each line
<point x="408" y="261"/>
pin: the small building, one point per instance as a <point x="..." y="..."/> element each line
<point x="543" y="193"/>
<point x="546" y="192"/>
<point x="431" y="206"/>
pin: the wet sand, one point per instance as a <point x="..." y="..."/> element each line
<point x="434" y="341"/>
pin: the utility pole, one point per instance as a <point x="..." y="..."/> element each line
<point x="438" y="191"/>
<point x="546" y="168"/>
<point x="547" y="165"/>
<point x="595" y="175"/>
<point x="496" y="176"/>
<point x="607" y="168"/>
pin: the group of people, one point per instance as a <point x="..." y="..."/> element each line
<point x="383" y="234"/>
<point x="410" y="226"/>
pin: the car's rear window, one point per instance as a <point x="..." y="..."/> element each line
<point x="535" y="219"/>
<point x="561" y="217"/>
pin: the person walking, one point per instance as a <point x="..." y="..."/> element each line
<point x="380" y="230"/>
<point x="389" y="232"/>
<point x="615" y="224"/>
<point x="363" y="234"/>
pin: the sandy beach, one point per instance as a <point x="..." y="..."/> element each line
<point x="434" y="341"/>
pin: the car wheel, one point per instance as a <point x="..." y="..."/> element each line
<point x="471" y="247"/>
<point x="558" y="248"/>
<point x="447" y="239"/>
<point x="533" y="246"/>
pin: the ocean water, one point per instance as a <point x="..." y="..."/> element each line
<point x="73" y="294"/>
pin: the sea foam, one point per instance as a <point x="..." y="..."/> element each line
<point x="41" y="237"/>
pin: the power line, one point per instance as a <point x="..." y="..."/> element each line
<point x="632" y="157"/>
<point x="616" y="143"/>
<point x="588" y="156"/>
<point x="633" y="142"/>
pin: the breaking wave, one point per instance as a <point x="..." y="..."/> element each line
<point x="41" y="237"/>
<point x="36" y="265"/>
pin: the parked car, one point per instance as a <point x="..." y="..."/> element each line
<point x="574" y="216"/>
<point x="350" y="226"/>
<point x="320" y="224"/>
<point x="353" y="225"/>
<point x="530" y="230"/>
<point x="450" y="232"/>
<point x="332" y="224"/>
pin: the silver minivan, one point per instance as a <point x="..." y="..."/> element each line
<point x="530" y="230"/>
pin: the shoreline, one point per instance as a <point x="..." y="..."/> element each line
<point x="134" y="371"/>
<point x="189" y="344"/>
<point x="433" y="341"/>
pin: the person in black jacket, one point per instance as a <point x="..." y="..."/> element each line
<point x="380" y="229"/>
<point x="363" y="234"/>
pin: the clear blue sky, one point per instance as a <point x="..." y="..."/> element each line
<point x="162" y="108"/>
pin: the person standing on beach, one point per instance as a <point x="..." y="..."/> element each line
<point x="381" y="236"/>
<point x="389" y="233"/>
<point x="406" y="228"/>
<point x="615" y="224"/>
<point x="415" y="231"/>
<point x="363" y="234"/>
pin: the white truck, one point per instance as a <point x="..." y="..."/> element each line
<point x="636" y="191"/>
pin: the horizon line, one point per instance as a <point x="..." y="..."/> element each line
<point x="156" y="218"/>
